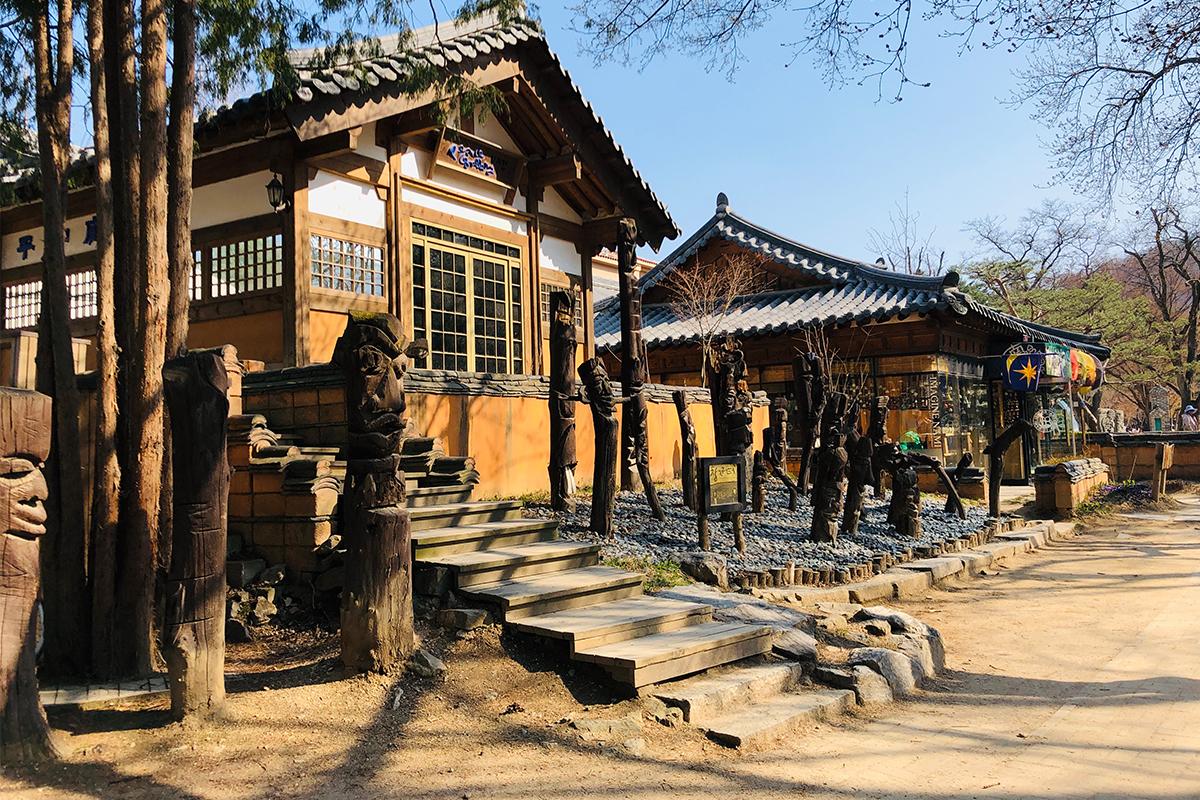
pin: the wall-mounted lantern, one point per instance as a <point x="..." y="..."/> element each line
<point x="275" y="194"/>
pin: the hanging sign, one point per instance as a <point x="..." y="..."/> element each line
<point x="1023" y="372"/>
<point x="467" y="155"/>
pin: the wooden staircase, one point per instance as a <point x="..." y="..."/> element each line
<point x="544" y="586"/>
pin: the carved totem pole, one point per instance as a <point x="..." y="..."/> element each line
<point x="758" y="483"/>
<point x="377" y="613"/>
<point x="738" y="417"/>
<point x="598" y="392"/>
<point x="775" y="443"/>
<point x="687" y="449"/>
<point x="860" y="475"/>
<point x="196" y="388"/>
<point x="809" y="380"/>
<point x="24" y="446"/>
<point x="562" y="400"/>
<point x="904" y="510"/>
<point x="829" y="470"/>
<point x="877" y="433"/>
<point x="995" y="453"/>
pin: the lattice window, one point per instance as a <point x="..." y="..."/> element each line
<point x="81" y="288"/>
<point x="22" y="304"/>
<point x="23" y="301"/>
<point x="196" y="277"/>
<point x="544" y="294"/>
<point x="472" y="321"/>
<point x="447" y="309"/>
<point x="250" y="265"/>
<point x="346" y="266"/>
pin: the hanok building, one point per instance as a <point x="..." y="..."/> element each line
<point x="460" y="229"/>
<point x="921" y="340"/>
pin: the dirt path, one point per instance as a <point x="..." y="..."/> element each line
<point x="1075" y="673"/>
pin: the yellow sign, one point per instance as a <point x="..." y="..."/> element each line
<point x="722" y="484"/>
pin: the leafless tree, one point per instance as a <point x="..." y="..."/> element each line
<point x="1116" y="79"/>
<point x="1015" y="264"/>
<point x="906" y="248"/>
<point x="703" y="294"/>
<point x="1164" y="249"/>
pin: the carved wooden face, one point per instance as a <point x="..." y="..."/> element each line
<point x="24" y="445"/>
<point x="382" y="371"/>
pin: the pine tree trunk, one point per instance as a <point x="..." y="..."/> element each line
<point x="24" y="733"/>
<point x="106" y="480"/>
<point x="179" y="172"/>
<point x="64" y="552"/>
<point x="196" y="387"/>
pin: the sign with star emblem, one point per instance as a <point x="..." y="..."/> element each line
<point x="1023" y="371"/>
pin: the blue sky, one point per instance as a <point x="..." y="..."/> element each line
<point x="823" y="165"/>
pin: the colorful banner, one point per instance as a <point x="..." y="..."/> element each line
<point x="1023" y="371"/>
<point x="1058" y="361"/>
<point x="1089" y="372"/>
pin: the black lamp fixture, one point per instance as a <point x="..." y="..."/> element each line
<point x="275" y="193"/>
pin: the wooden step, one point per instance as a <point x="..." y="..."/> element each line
<point x="445" y="515"/>
<point x="616" y="621"/>
<point x="422" y="496"/>
<point x="650" y="659"/>
<point x="712" y="695"/>
<point x="515" y="561"/>
<point x="434" y="542"/>
<point x="763" y="722"/>
<point x="558" y="591"/>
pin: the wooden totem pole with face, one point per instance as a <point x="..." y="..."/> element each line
<point x="600" y="398"/>
<point x="688" y="453"/>
<point x="563" y="340"/>
<point x="24" y="447"/>
<point x="377" y="613"/>
<point x="635" y="444"/>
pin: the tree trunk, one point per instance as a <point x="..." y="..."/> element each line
<point x="144" y="473"/>
<point x="179" y="172"/>
<point x="65" y="553"/>
<point x="106" y="478"/>
<point x="24" y="437"/>
<point x="377" y="615"/>
<point x="196" y="390"/>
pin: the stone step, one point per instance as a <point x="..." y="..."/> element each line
<point x="422" y="496"/>
<point x="712" y="695"/>
<point x="445" y="515"/>
<point x="662" y="656"/>
<point x="558" y="591"/>
<point x="515" y="561"/>
<point x="765" y="721"/>
<point x="434" y="542"/>
<point x="616" y="621"/>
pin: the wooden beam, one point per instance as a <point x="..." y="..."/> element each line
<point x="354" y="166"/>
<point x="336" y="143"/>
<point x="297" y="268"/>
<point x="556" y="170"/>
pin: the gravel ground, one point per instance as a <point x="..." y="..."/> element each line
<point x="772" y="538"/>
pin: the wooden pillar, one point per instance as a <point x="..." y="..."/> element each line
<point x="586" y="298"/>
<point x="562" y="400"/>
<point x="599" y="393"/>
<point x="196" y="388"/>
<point x="25" y="419"/>
<point x="297" y="263"/>
<point x="535" y="358"/>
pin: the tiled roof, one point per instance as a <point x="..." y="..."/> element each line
<point x="445" y="46"/>
<point x="851" y="292"/>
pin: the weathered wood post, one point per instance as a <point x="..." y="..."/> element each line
<point x="995" y="453"/>
<point x="775" y="444"/>
<point x="953" y="501"/>
<point x="1164" y="459"/>
<point x="960" y="469"/>
<point x="877" y="433"/>
<point x="809" y="381"/>
<point x="904" y="510"/>
<point x="687" y="448"/>
<point x="758" y="483"/>
<point x="377" y="613"/>
<point x="196" y="388"/>
<point x="25" y="419"/>
<point x="598" y="392"/>
<point x="563" y="340"/>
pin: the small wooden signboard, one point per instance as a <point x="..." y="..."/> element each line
<point x="721" y="484"/>
<point x="722" y="491"/>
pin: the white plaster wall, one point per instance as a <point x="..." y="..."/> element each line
<point x="342" y="198"/>
<point x="11" y="258"/>
<point x="488" y="128"/>
<point x="555" y="206"/>
<point x="560" y="255"/>
<point x="229" y="201"/>
<point x="437" y="203"/>
<point x="366" y="144"/>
